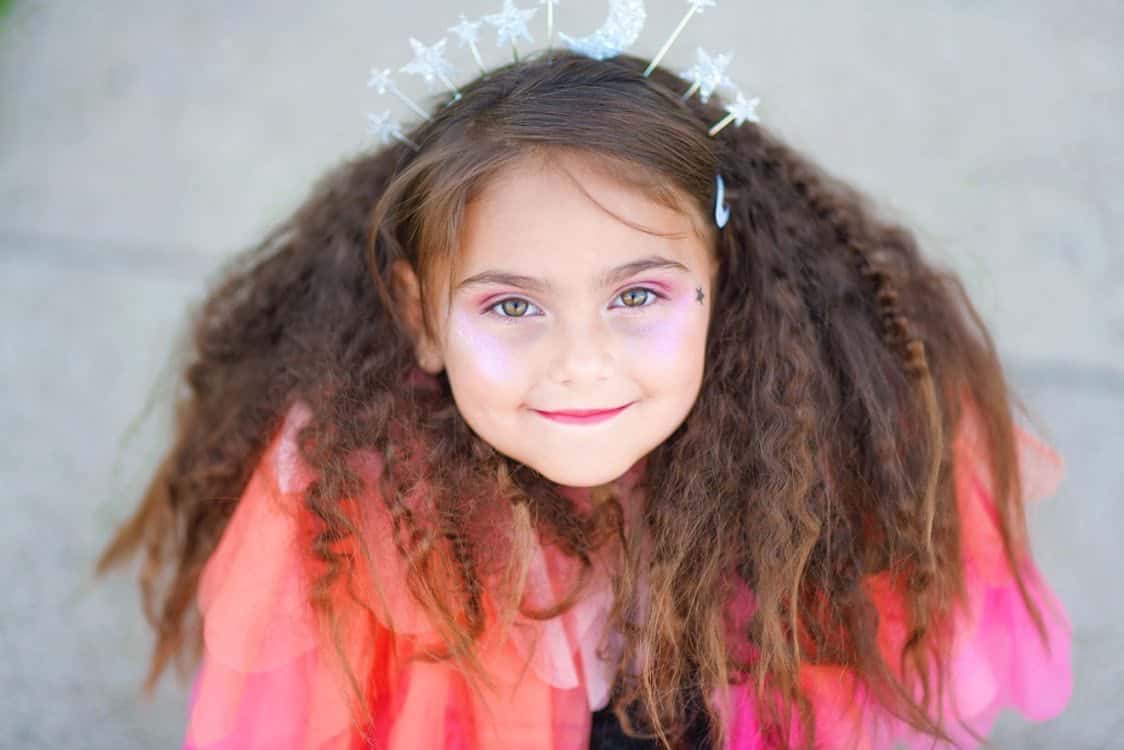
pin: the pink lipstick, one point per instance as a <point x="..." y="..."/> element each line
<point x="582" y="416"/>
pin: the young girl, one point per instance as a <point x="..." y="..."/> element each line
<point x="561" y="423"/>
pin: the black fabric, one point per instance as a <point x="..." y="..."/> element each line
<point x="607" y="734"/>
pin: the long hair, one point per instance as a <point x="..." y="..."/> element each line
<point x="838" y="364"/>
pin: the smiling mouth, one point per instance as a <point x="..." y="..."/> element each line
<point x="582" y="416"/>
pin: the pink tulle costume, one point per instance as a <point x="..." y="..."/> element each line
<point x="269" y="680"/>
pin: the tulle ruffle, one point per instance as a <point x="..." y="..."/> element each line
<point x="998" y="659"/>
<point x="269" y="679"/>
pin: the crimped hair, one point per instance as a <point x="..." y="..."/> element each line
<point x="839" y="363"/>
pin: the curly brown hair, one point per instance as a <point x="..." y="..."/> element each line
<point x="838" y="363"/>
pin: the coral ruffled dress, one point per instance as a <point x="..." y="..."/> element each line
<point x="268" y="679"/>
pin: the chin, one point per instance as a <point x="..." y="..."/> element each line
<point x="570" y="478"/>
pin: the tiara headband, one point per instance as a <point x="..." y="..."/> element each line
<point x="620" y="30"/>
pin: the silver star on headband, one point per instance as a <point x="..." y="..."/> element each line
<point x="466" y="31"/>
<point x="430" y="64"/>
<point x="740" y="111"/>
<point x="620" y="30"/>
<point x="697" y="6"/>
<point x="708" y="74"/>
<point x="386" y="128"/>
<point x="618" y="33"/>
<point x="381" y="82"/>
<point x="511" y="23"/>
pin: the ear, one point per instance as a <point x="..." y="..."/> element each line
<point x="407" y="293"/>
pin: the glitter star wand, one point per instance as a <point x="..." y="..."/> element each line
<point x="386" y="128"/>
<point x="696" y="7"/>
<point x="741" y="110"/>
<point x="381" y="82"/>
<point x="466" y="32"/>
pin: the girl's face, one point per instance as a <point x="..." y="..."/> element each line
<point x="559" y="306"/>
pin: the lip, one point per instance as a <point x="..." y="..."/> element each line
<point x="583" y="416"/>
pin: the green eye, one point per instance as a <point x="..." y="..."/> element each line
<point x="638" y="295"/>
<point x="514" y="307"/>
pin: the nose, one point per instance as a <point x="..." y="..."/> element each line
<point x="582" y="353"/>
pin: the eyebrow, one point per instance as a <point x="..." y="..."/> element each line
<point x="612" y="276"/>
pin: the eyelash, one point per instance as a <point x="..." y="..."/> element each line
<point x="656" y="297"/>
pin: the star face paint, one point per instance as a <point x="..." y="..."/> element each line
<point x="561" y="308"/>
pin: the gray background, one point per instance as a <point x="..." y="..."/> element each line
<point x="142" y="143"/>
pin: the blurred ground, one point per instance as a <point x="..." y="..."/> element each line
<point x="141" y="143"/>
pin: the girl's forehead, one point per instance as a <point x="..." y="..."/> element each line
<point x="601" y="178"/>
<point x="576" y="198"/>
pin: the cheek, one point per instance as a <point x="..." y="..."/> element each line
<point x="673" y="338"/>
<point x="478" y="353"/>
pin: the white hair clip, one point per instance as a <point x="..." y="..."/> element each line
<point x="721" y="210"/>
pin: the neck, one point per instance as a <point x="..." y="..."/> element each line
<point x="586" y="498"/>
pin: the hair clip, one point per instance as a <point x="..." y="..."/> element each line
<point x="721" y="210"/>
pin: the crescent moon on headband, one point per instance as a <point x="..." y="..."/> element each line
<point x="618" y="33"/>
